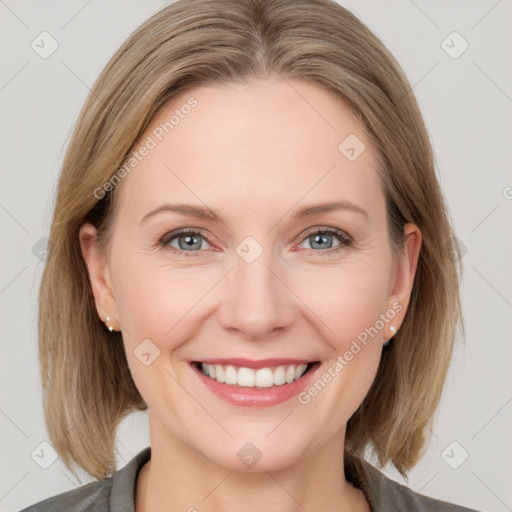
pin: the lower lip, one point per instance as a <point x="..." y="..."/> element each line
<point x="257" y="397"/>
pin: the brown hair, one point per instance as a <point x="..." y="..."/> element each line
<point x="87" y="385"/>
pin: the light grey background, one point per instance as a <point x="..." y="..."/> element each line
<point x="467" y="105"/>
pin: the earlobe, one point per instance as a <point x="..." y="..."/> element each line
<point x="99" y="276"/>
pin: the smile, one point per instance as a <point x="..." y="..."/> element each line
<point x="247" y="377"/>
<point x="255" y="383"/>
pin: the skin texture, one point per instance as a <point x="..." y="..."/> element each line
<point x="255" y="153"/>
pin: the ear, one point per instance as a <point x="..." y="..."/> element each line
<point x="405" y="271"/>
<point x="99" y="276"/>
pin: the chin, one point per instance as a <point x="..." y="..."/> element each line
<point x="254" y="456"/>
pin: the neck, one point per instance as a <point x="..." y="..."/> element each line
<point x="178" y="478"/>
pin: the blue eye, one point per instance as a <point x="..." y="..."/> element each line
<point x="190" y="242"/>
<point x="323" y="237"/>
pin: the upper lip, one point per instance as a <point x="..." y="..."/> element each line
<point x="255" y="363"/>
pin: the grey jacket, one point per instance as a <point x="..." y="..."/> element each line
<point x="116" y="493"/>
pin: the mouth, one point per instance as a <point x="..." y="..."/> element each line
<point x="247" y="383"/>
<point x="254" y="374"/>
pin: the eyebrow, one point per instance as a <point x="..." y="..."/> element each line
<point x="214" y="216"/>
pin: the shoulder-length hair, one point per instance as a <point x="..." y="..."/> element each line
<point x="87" y="385"/>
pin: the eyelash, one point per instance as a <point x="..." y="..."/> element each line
<point x="344" y="239"/>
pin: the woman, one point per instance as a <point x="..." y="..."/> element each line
<point x="221" y="147"/>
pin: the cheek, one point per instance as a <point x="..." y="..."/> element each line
<point x="158" y="303"/>
<point x="349" y="305"/>
<point x="348" y="300"/>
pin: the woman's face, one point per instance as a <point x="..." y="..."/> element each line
<point x="263" y="277"/>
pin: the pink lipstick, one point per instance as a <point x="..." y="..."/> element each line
<point x="255" y="383"/>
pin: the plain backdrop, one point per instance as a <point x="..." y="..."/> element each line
<point x="457" y="56"/>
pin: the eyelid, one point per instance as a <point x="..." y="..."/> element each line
<point x="168" y="236"/>
<point x="327" y="229"/>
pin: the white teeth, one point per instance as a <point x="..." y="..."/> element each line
<point x="290" y="374"/>
<point x="230" y="375"/>
<point x="247" y="377"/>
<point x="279" y="376"/>
<point x="264" y="378"/>
<point x="219" y="373"/>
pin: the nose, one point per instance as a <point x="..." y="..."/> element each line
<point x="256" y="299"/>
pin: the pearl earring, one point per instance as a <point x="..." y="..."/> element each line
<point x="392" y="328"/>
<point x="110" y="328"/>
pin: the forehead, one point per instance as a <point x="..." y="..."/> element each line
<point x="255" y="144"/>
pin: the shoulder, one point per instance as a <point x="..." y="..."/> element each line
<point x="386" y="495"/>
<point x="113" y="494"/>
<point x="88" y="497"/>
